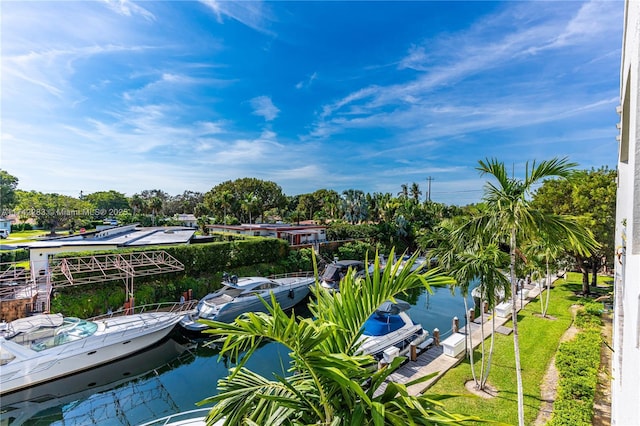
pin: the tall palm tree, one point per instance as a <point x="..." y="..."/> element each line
<point x="486" y="264"/>
<point x="354" y="205"/>
<point x="248" y="204"/>
<point x="404" y="191"/>
<point x="330" y="381"/>
<point x="511" y="218"/>
<point x="415" y="191"/>
<point x="541" y="254"/>
<point x="225" y="199"/>
<point x="137" y="203"/>
<point x="155" y="204"/>
<point x="467" y="259"/>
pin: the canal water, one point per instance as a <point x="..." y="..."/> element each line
<point x="173" y="376"/>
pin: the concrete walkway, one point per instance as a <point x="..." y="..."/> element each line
<point x="433" y="360"/>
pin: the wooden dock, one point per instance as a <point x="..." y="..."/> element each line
<point x="434" y="361"/>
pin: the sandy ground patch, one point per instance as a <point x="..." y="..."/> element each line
<point x="489" y="390"/>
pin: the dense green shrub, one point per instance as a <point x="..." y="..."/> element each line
<point x="203" y="268"/>
<point x="14" y="255"/>
<point x="358" y="250"/>
<point x="578" y="361"/>
<point x="21" y="227"/>
<point x="299" y="260"/>
<point x="571" y="413"/>
<point x="345" y="231"/>
<point x="586" y="320"/>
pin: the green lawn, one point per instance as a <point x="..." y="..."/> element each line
<point x="539" y="340"/>
<point x="24" y="236"/>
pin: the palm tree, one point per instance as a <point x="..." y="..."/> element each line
<point x="330" y="381"/>
<point x="155" y="204"/>
<point x="467" y="259"/>
<point x="404" y="191"/>
<point x="137" y="203"/>
<point x="248" y="203"/>
<point x="486" y="264"/>
<point x="354" y="206"/>
<point x="542" y="253"/>
<point x="510" y="218"/>
<point x="225" y="199"/>
<point x="415" y="192"/>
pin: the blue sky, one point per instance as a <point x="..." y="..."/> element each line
<point x="180" y="95"/>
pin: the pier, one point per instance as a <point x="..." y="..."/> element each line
<point x="434" y="360"/>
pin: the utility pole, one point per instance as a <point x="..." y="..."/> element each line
<point x="429" y="179"/>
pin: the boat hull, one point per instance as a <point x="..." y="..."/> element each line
<point x="60" y="361"/>
<point x="287" y="298"/>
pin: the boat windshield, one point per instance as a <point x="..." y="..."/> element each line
<point x="332" y="273"/>
<point x="231" y="291"/>
<point x="381" y="324"/>
<point x="72" y="329"/>
<point x="206" y="310"/>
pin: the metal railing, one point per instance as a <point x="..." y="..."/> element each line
<point x="175" y="307"/>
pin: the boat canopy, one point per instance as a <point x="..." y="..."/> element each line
<point x="381" y="324"/>
<point x="393" y="308"/>
<point x="30" y="324"/>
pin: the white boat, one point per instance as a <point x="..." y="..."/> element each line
<point x="196" y="417"/>
<point x="390" y="327"/>
<point x="334" y="272"/>
<point x="478" y="295"/>
<point x="89" y="392"/>
<point x="240" y="295"/>
<point x="46" y="347"/>
<point x="419" y="262"/>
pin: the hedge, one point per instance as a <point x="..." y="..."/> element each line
<point x="208" y="258"/>
<point x="14" y="255"/>
<point x="203" y="267"/>
<point x="578" y="361"/>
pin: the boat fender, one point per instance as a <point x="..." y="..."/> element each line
<point x="291" y="293"/>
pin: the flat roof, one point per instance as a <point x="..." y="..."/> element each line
<point x="130" y="238"/>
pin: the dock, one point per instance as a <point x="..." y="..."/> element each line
<point x="433" y="360"/>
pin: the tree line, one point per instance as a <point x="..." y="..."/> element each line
<point x="403" y="220"/>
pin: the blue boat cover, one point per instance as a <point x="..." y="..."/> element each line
<point x="379" y="325"/>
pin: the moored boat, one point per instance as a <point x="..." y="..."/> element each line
<point x="246" y="294"/>
<point x="46" y="347"/>
<point x="390" y="327"/>
<point x="334" y="272"/>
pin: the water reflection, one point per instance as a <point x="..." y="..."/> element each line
<point x="101" y="394"/>
<point x="173" y="376"/>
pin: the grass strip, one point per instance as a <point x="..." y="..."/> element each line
<point x="539" y="340"/>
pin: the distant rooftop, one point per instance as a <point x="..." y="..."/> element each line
<point x="121" y="236"/>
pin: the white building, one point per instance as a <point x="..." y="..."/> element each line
<point x="5" y="226"/>
<point x="296" y="235"/>
<point x="625" y="383"/>
<point x="186" y="219"/>
<point x="107" y="238"/>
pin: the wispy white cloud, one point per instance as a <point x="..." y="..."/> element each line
<point x="307" y="82"/>
<point x="127" y="8"/>
<point x="116" y="95"/>
<point x="253" y="14"/>
<point x="444" y="65"/>
<point x="592" y="19"/>
<point x="264" y="107"/>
